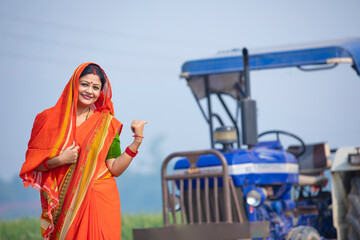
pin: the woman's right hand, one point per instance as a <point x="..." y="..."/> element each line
<point x="69" y="155"/>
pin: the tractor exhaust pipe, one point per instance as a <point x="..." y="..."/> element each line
<point x="248" y="108"/>
<point x="246" y="72"/>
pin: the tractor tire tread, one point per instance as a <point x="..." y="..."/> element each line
<point x="354" y="200"/>
<point x="354" y="223"/>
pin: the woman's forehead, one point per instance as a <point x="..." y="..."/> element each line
<point x="91" y="78"/>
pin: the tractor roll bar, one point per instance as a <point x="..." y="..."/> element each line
<point x="191" y="174"/>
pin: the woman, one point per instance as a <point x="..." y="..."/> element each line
<point x="73" y="156"/>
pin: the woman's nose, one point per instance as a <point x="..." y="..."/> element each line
<point x="88" y="89"/>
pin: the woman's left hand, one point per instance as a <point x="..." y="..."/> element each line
<point x="137" y="127"/>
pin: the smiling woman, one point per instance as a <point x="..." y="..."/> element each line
<point x="73" y="156"/>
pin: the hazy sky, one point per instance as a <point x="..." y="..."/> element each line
<point x="142" y="45"/>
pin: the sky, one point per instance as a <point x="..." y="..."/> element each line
<point x="142" y="44"/>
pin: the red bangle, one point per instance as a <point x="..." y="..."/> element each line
<point x="131" y="153"/>
<point x="135" y="136"/>
<point x="46" y="165"/>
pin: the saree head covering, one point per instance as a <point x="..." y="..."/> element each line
<point x="64" y="190"/>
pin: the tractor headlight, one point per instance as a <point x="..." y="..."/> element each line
<point x="253" y="198"/>
<point x="256" y="197"/>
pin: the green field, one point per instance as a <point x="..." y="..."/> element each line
<point x="29" y="229"/>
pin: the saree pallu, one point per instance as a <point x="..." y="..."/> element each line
<point x="91" y="205"/>
<point x="90" y="208"/>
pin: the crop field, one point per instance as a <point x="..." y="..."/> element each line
<point x="29" y="229"/>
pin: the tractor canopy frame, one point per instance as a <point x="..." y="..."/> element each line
<point x="228" y="74"/>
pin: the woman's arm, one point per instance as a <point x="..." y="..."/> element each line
<point x="118" y="165"/>
<point x="68" y="156"/>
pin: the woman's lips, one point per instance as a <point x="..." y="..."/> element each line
<point x="86" y="97"/>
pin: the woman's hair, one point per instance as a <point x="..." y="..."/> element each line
<point x="96" y="70"/>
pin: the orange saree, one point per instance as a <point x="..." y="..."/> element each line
<point x="79" y="201"/>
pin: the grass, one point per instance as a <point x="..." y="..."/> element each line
<point x="22" y="229"/>
<point x="128" y="222"/>
<point x="29" y="229"/>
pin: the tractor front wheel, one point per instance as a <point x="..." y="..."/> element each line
<point x="303" y="233"/>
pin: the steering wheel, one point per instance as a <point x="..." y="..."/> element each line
<point x="278" y="132"/>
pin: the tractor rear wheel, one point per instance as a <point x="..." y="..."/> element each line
<point x="303" y="233"/>
<point x="353" y="214"/>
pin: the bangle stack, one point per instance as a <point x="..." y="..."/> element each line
<point x="131" y="153"/>
<point x="45" y="164"/>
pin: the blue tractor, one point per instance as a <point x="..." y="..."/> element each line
<point x="251" y="188"/>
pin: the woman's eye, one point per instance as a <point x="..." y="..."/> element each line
<point x="96" y="88"/>
<point x="84" y="84"/>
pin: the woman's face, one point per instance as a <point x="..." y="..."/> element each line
<point x="89" y="89"/>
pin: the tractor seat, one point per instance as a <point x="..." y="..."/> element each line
<point x="315" y="159"/>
